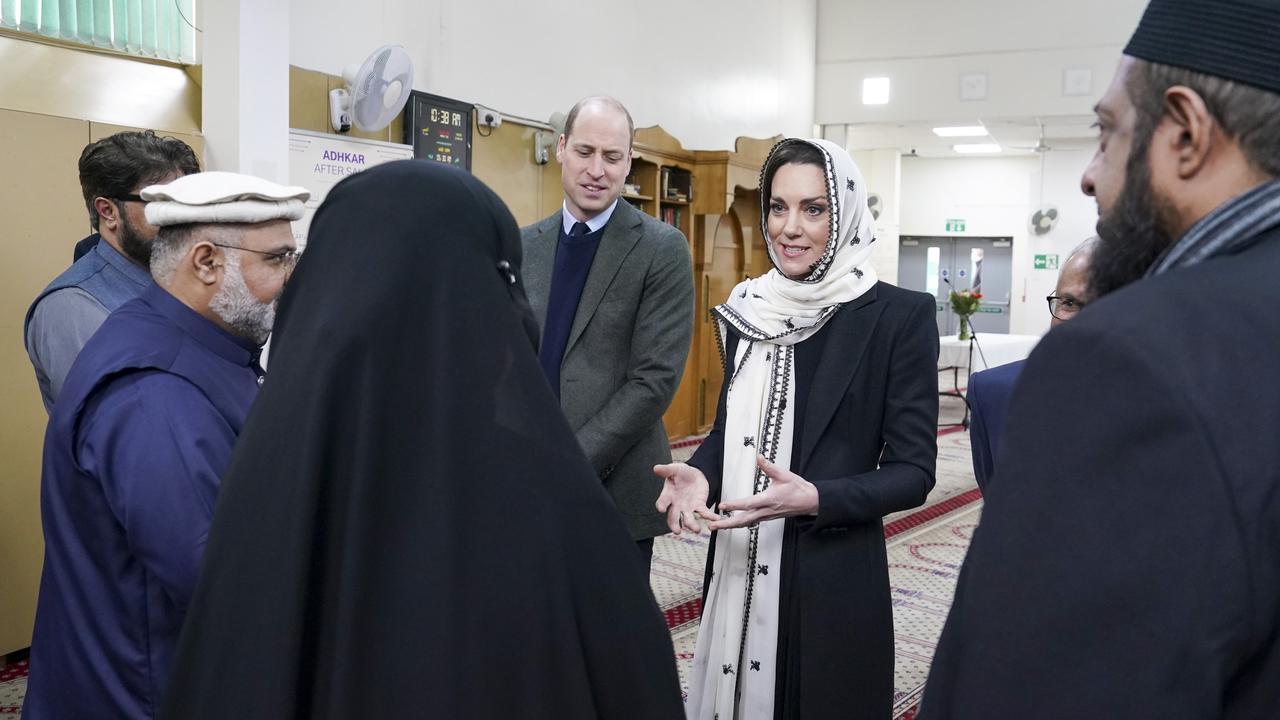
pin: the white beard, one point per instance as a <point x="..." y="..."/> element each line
<point x="245" y="314"/>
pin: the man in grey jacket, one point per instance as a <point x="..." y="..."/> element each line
<point x="612" y="289"/>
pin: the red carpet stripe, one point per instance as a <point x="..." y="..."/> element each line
<point x="932" y="512"/>
<point x="685" y="612"/>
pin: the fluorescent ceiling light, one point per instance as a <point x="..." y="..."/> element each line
<point x="973" y="148"/>
<point x="875" y="91"/>
<point x="961" y="131"/>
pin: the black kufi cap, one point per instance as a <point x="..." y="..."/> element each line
<point x="1237" y="40"/>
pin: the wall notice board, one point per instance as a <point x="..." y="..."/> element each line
<point x="317" y="162"/>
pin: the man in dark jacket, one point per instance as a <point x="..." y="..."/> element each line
<point x="990" y="390"/>
<point x="1133" y="570"/>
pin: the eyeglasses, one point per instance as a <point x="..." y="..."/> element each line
<point x="287" y="258"/>
<point x="1064" y="308"/>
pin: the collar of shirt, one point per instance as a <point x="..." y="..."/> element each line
<point x="131" y="269"/>
<point x="567" y="219"/>
<point x="232" y="348"/>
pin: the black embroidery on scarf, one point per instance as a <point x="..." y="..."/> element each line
<point x="762" y="569"/>
<point x="734" y="319"/>
<point x="728" y="669"/>
<point x="755" y="665"/>
<point x="724" y="361"/>
<point x="771" y="433"/>
<point x="748" y="441"/>
<point x="819" y="268"/>
<point x="746" y="355"/>
<point x="857" y="273"/>
<point x="849" y="183"/>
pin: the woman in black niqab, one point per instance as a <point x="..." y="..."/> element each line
<point x="407" y="527"/>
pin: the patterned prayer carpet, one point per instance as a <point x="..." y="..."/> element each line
<point x="925" y="545"/>
<point x="13" y="687"/>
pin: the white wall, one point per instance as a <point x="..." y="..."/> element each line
<point x="996" y="196"/>
<point x="707" y="72"/>
<point x="924" y="46"/>
<point x="882" y="171"/>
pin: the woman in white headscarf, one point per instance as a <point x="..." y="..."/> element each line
<point x="827" y="421"/>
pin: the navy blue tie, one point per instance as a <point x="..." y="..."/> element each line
<point x="579" y="229"/>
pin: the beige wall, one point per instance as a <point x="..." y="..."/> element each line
<point x="503" y="159"/>
<point x="53" y="101"/>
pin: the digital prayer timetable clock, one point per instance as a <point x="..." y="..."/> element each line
<point x="439" y="129"/>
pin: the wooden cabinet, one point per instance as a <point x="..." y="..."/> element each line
<point x="728" y="247"/>
<point x="661" y="184"/>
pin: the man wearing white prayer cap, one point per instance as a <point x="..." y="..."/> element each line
<point x="140" y="436"/>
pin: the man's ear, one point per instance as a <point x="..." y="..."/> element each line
<point x="1195" y="131"/>
<point x="206" y="262"/>
<point x="107" y="211"/>
<point x="560" y="148"/>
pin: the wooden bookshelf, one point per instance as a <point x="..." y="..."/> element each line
<point x="728" y="248"/>
<point x="661" y="165"/>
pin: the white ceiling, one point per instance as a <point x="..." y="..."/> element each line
<point x="1015" y="136"/>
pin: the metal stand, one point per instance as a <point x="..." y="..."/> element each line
<point x="955" y="390"/>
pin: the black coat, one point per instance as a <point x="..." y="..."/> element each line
<point x="1128" y="560"/>
<point x="873" y="401"/>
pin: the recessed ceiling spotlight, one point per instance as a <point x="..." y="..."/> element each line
<point x="875" y="91"/>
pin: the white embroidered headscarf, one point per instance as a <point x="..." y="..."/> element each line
<point x="735" y="663"/>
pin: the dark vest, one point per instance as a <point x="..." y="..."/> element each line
<point x="103" y="273"/>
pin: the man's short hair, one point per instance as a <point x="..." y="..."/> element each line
<point x="600" y="100"/>
<point x="1248" y="115"/>
<point x="118" y="165"/>
<point x="174" y="241"/>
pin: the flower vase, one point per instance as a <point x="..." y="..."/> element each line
<point x="964" y="328"/>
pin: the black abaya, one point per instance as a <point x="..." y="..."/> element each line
<point x="408" y="527"/>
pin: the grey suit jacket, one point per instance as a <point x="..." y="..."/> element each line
<point x="626" y="350"/>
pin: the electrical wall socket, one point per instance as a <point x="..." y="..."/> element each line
<point x="488" y="117"/>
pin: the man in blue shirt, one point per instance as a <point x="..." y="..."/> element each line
<point x="140" y="436"/>
<point x="112" y="269"/>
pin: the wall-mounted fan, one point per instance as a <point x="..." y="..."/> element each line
<point x="544" y="140"/>
<point x="376" y="91"/>
<point x="875" y="205"/>
<point x="1043" y="221"/>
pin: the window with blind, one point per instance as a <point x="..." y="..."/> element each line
<point x="151" y="28"/>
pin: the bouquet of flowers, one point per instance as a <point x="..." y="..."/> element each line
<point x="964" y="304"/>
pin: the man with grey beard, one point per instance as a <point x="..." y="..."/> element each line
<point x="138" y="440"/>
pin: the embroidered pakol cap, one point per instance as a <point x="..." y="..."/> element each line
<point x="1237" y="40"/>
<point x="222" y="197"/>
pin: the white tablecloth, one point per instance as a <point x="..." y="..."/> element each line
<point x="992" y="349"/>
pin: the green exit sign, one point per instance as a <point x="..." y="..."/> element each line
<point x="955" y="224"/>
<point x="1046" y="262"/>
